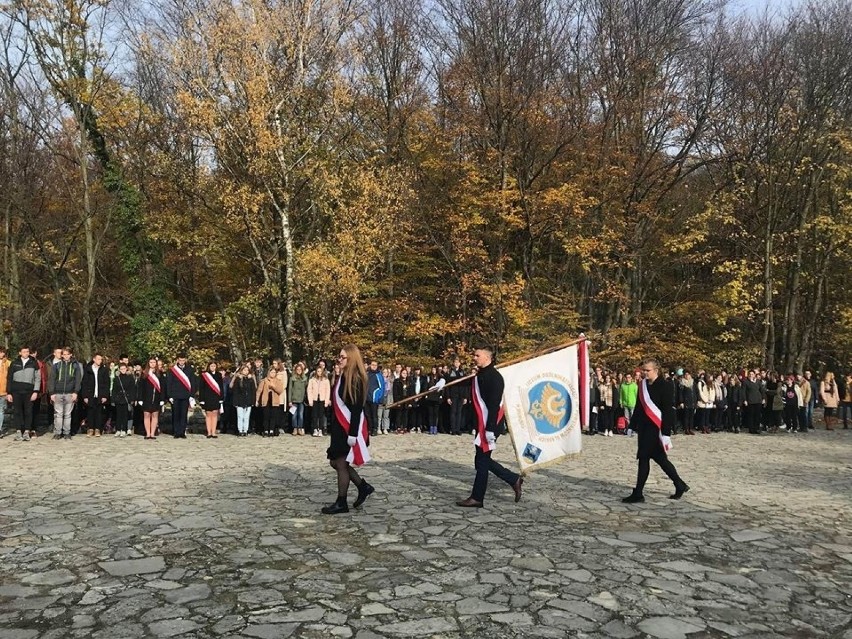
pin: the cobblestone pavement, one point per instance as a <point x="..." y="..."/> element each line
<point x="114" y="538"/>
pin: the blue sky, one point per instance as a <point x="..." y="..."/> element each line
<point x="757" y="7"/>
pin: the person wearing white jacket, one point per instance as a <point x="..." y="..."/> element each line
<point x="792" y="395"/>
<point x="706" y="396"/>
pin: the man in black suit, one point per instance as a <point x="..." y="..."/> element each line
<point x="487" y="398"/>
<point x="181" y="387"/>
<point x="652" y="421"/>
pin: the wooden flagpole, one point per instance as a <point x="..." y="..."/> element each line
<point x="512" y="362"/>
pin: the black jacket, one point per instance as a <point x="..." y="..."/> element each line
<point x="148" y="394"/>
<point x="424" y="385"/>
<point x="491" y="386"/>
<point x="403" y="388"/>
<point x="457" y="392"/>
<point x="736" y="396"/>
<point x="175" y="388"/>
<point x="65" y="378"/>
<point x="686" y="396"/>
<point x="208" y="398"/>
<point x="244" y="391"/>
<point x="87" y="386"/>
<point x="356" y="408"/>
<point x="660" y="394"/>
<point x="123" y="390"/>
<point x="752" y="392"/>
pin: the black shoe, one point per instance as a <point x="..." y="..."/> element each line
<point x="57" y="437"/>
<point x="364" y="491"/>
<point x="679" y="491"/>
<point x="633" y="498"/>
<point x="335" y="509"/>
<point x="209" y="436"/>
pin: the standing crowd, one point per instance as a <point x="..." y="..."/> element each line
<point x="757" y="401"/>
<point x="121" y="397"/>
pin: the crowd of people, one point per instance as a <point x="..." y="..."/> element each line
<point x="262" y="398"/>
<point x="756" y="401"/>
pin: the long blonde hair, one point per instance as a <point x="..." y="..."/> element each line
<point x="354" y="373"/>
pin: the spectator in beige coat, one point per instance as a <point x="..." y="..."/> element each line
<point x="270" y="396"/>
<point x="807" y="396"/>
<point x="319" y="398"/>
<point x="830" y="396"/>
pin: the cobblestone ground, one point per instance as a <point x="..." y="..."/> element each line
<point x="114" y="538"/>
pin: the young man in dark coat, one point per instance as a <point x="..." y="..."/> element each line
<point x="487" y="398"/>
<point x="181" y="387"/>
<point x="94" y="393"/>
<point x="457" y="397"/>
<point x="652" y="421"/>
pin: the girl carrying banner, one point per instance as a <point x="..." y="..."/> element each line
<point x="350" y="435"/>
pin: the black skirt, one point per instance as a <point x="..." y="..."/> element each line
<point x="338" y="447"/>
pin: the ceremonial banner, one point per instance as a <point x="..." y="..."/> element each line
<point x="543" y="402"/>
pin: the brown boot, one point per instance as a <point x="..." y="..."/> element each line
<point x="97" y="433"/>
<point x="90" y="432"/>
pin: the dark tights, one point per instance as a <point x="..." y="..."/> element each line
<point x="645" y="469"/>
<point x="345" y="474"/>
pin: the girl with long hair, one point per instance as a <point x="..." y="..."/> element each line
<point x="296" y="393"/>
<point x="829" y="393"/>
<point x="350" y="436"/>
<point x="151" y="387"/>
<point x="244" y="389"/>
<point x="319" y="399"/>
<point x="212" y="396"/>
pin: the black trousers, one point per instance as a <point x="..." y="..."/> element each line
<point x="95" y="414"/>
<point x="179" y="411"/>
<point x="22" y="409"/>
<point x="122" y="416"/>
<point x="663" y="462"/>
<point x="432" y="414"/>
<point x="457" y="417"/>
<point x="753" y="413"/>
<point x="371" y="411"/>
<point x="272" y="419"/>
<point x="791" y="416"/>
<point x="606" y="419"/>
<point x="483" y="464"/>
<point x="402" y="417"/>
<point x="687" y="418"/>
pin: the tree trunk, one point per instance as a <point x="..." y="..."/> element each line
<point x="87" y="342"/>
<point x="767" y="354"/>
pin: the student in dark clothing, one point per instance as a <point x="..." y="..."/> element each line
<point x="23" y="386"/>
<point x="486" y="397"/>
<point x="211" y="396"/>
<point x="123" y="397"/>
<point x="94" y="392"/>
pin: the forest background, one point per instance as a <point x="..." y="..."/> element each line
<point x="268" y="177"/>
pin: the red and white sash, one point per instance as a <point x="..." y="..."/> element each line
<point x="212" y="383"/>
<point x="652" y="411"/>
<point x="359" y="454"/>
<point x="481" y="411"/>
<point x="182" y="377"/>
<point x="155" y="382"/>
